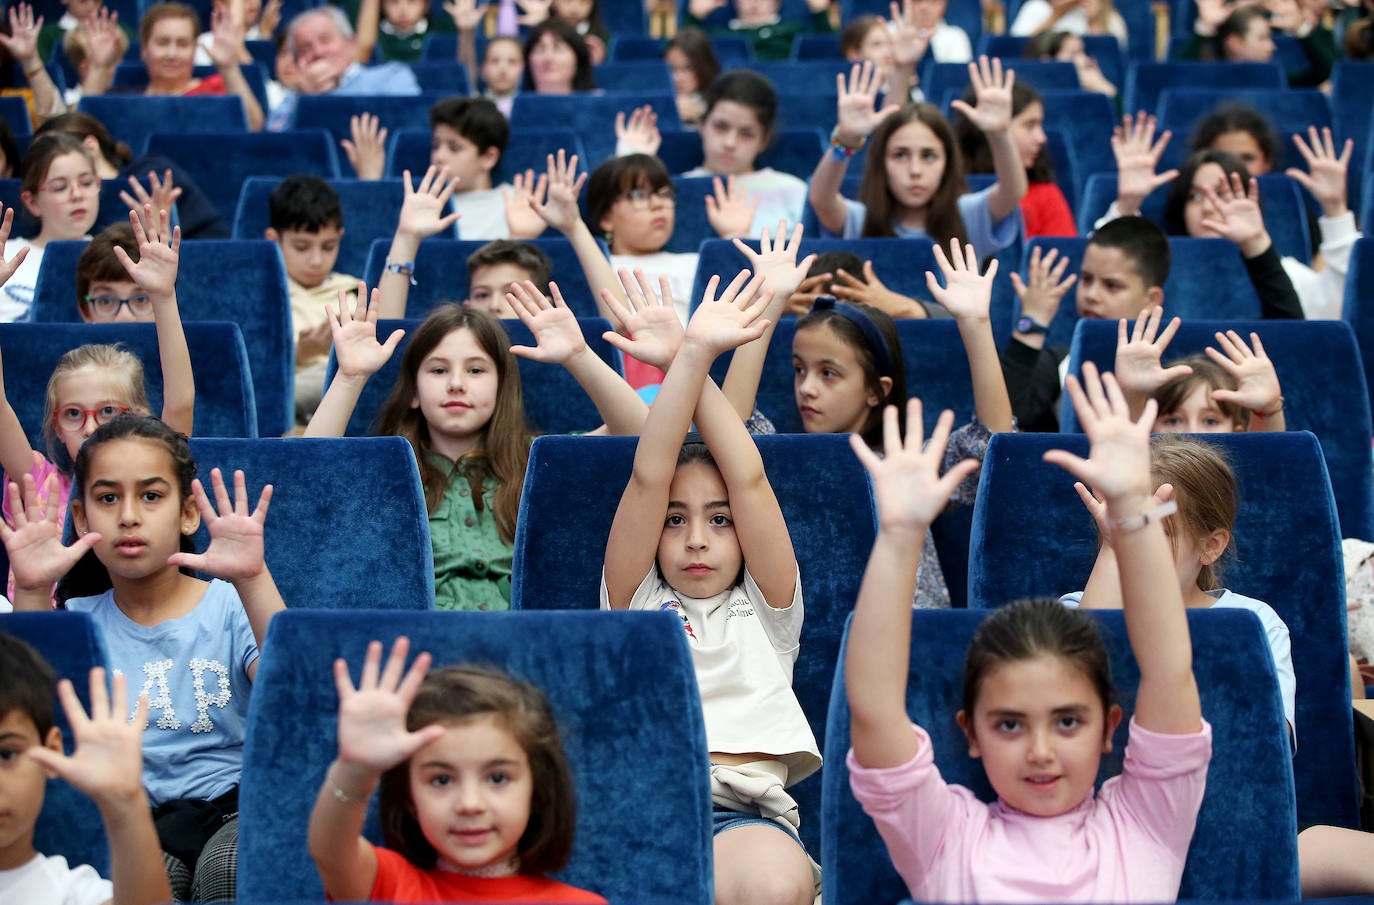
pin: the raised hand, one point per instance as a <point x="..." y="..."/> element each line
<point x="7" y="268"/>
<point x="269" y="19"/>
<point x="227" y="48"/>
<point x="366" y="148"/>
<point x="354" y="333"/>
<point x="732" y="319"/>
<point x="966" y="295"/>
<point x="533" y="12"/>
<point x="805" y="295"/>
<point x="907" y="484"/>
<point x="466" y="14"/>
<point x="34" y="544"/>
<point x="422" y="211"/>
<point x="729" y="210"/>
<point x="653" y="329"/>
<point x="107" y="764"/>
<point x="909" y="38"/>
<point x="1098" y="508"/>
<point x="1118" y="463"/>
<point x="869" y="290"/>
<point x="1327" y="172"/>
<point x="557" y="337"/>
<point x="522" y="200"/>
<point x="372" y="717"/>
<point x="1138" y="369"/>
<point x="1257" y="383"/>
<point x="1137" y="155"/>
<point x="1040" y="297"/>
<point x="991" y="94"/>
<point x="855" y="117"/>
<point x="700" y="9"/>
<point x="235" y="550"/>
<point x="156" y="270"/>
<point x="1210" y="14"/>
<point x="102" y="39"/>
<point x="164" y="193"/>
<point x="776" y="260"/>
<point x="22" y="41"/>
<point x="1236" y="214"/>
<point x="640" y="133"/>
<point x="560" y="211"/>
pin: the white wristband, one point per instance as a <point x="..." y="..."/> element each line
<point x="1136" y="522"/>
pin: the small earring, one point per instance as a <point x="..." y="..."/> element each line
<point x="609" y="237"/>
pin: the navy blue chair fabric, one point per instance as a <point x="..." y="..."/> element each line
<point x="816" y="47"/>
<point x="69" y="824"/>
<point x="731" y="50"/>
<point x="1359" y="302"/>
<point x="220" y="164"/>
<point x="224" y="389"/>
<point x="559" y="556"/>
<point x="966" y="14"/>
<point x="410" y="151"/>
<point x="133" y="77"/>
<point x="638" y="76"/>
<point x="1310" y="357"/>
<point x="1146" y="80"/>
<point x="554" y="402"/>
<point x="1245" y="841"/>
<point x="370" y="211"/>
<point x="441" y="78"/>
<point x="1105" y="49"/>
<point x="15" y="112"/>
<point x="1289" y="110"/>
<point x="1043" y="543"/>
<point x="591" y="116"/>
<point x="1085" y="119"/>
<point x="691" y="226"/>
<point x="441" y="273"/>
<point x="802" y="75"/>
<point x="332" y="499"/>
<point x="1039" y="75"/>
<point x="813" y="110"/>
<point x="792" y="151"/>
<point x="131" y="118"/>
<point x="1352" y="113"/>
<point x="332" y="112"/>
<point x="592" y="668"/>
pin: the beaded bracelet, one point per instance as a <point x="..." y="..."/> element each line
<point x="838" y="149"/>
<point x="406" y="269"/>
<point x="1278" y="410"/>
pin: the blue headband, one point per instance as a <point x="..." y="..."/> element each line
<point x="882" y="356"/>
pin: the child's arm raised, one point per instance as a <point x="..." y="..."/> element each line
<point x="422" y="216"/>
<point x="648" y="316"/>
<point x="235" y="553"/>
<point x="855" y="121"/>
<point x="366" y="146"/>
<point x="1040" y="296"/>
<point x="34" y="544"/>
<point x="1138" y="369"/>
<point x="992" y="116"/>
<point x="558" y="340"/>
<point x="107" y="766"/>
<point x="910" y="493"/>
<point x="372" y="740"/>
<point x="16" y="455"/>
<point x="968" y="296"/>
<point x="1257" y="383"/>
<point x="1118" y="469"/>
<point x="1236" y="215"/>
<point x="1137" y="155"/>
<point x="156" y="274"/>
<point x="717" y="325"/>
<point x="358" y="356"/>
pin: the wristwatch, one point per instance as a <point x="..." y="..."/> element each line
<point x="1027" y="325"/>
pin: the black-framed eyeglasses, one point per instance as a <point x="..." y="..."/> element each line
<point x="645" y="197"/>
<point x="106" y="307"/>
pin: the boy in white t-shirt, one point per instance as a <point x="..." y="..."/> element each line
<point x="107" y="765"/>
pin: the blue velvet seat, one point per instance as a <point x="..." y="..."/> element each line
<point x="554" y="402"/>
<point x="332" y="112"/>
<point x="572" y="488"/>
<point x="1085" y="119"/>
<point x="968" y="16"/>
<point x="815" y="47"/>
<point x="815" y="110"/>
<point x="1359" y="301"/>
<point x="691" y="227"/>
<point x="1352" y="113"/>
<point x="637" y="76"/>
<point x="441" y="273"/>
<point x="802" y="75"/>
<point x="220" y="164"/>
<point x="441" y="77"/>
<point x="15" y="112"/>
<point x="1140" y="27"/>
<point x="1146" y="80"/>
<point x="731" y="50"/>
<point x="1105" y="49"/>
<point x="1245" y="841"/>
<point x="792" y="151"/>
<point x="1039" y="543"/>
<point x="410" y="151"/>
<point x="1289" y="110"/>
<point x="591" y="116"/>
<point x="69" y="824"/>
<point x="592" y="667"/>
<point x="370" y="211"/>
<point x="1311" y="357"/>
<point x="1039" y="75"/>
<point x="332" y="500"/>
<point x="131" y="118"/>
<point x="133" y="78"/>
<point x="224" y="389"/>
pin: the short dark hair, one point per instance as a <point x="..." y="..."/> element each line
<point x="1236" y="24"/>
<point x="1175" y="223"/>
<point x="453" y="696"/>
<point x="98" y="263"/>
<point x="837" y="259"/>
<point x="26" y="683"/>
<point x="527" y="257"/>
<point x="617" y="176"/>
<point x="748" y="89"/>
<point x="1140" y="242"/>
<point x="304" y="202"/>
<point x="1237" y="118"/>
<point x="475" y="118"/>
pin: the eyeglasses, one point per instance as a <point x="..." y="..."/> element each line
<point x="107" y="307"/>
<point x="59" y="186"/>
<point x="642" y="198"/>
<point x="74" y="417"/>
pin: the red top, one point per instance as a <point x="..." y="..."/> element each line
<point x="400" y="881"/>
<point x="213" y="84"/>
<point x="1046" y="211"/>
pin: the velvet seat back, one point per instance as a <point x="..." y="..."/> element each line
<point x="221" y="163"/>
<point x="332" y="112"/>
<point x="1358" y="310"/>
<point x="622" y="689"/>
<point x="591" y="116"/>
<point x="69" y="824"/>
<point x="1311" y="358"/>
<point x="1245" y="841"/>
<point x="410" y="151"/>
<point x="1032" y="538"/>
<point x="131" y="118"/>
<point x="572" y="489"/>
<point x="790" y="150"/>
<point x="1147" y="79"/>
<point x="1352" y="108"/>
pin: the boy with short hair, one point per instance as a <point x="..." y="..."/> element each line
<point x="306" y="220"/>
<point x="107" y="765"/>
<point x="469" y="136"/>
<point x="496" y="265"/>
<point x="1124" y="268"/>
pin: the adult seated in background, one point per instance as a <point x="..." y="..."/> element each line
<point x="94" y="47"/>
<point x="325" y="52"/>
<point x="557" y="59"/>
<point x="198" y="216"/>
<point x="261" y="21"/>
<point x="1244" y="34"/>
<point x="1082" y="17"/>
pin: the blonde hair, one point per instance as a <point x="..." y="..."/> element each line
<point x="113" y="359"/>
<point x="1204" y="489"/>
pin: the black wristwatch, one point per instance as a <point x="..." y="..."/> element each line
<point x="1027" y="325"/>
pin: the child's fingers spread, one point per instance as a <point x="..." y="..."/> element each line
<point x="372" y="666"/>
<point x="343" y="683"/>
<point x="395" y="664"/>
<point x="100" y="696"/>
<point x="264" y="503"/>
<point x="1074" y="465"/>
